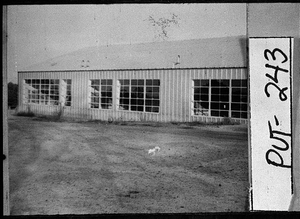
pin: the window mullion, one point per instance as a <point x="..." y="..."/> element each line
<point x="144" y="96"/>
<point x="230" y="98"/>
<point x="129" y="104"/>
<point x="209" y="97"/>
<point x="100" y="93"/>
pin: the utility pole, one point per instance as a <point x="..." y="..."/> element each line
<point x="5" y="127"/>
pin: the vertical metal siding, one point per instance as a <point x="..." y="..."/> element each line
<point x="175" y="93"/>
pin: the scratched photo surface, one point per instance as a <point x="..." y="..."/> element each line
<point x="129" y="164"/>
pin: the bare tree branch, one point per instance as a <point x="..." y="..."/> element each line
<point x="163" y="24"/>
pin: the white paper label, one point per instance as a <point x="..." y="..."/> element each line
<point x="270" y="123"/>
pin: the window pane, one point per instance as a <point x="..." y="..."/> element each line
<point x="201" y="97"/>
<point x="133" y="89"/>
<point x="140" y="102"/>
<point x="134" y="82"/>
<point x="239" y="98"/>
<point x="124" y="101"/>
<point x="215" y="98"/>
<point x="155" y="95"/>
<point x="244" y="115"/>
<point x="140" y="82"/>
<point x="148" y="89"/>
<point x="236" y="91"/>
<point x="155" y="102"/>
<point x="224" y="113"/>
<point x="204" y="90"/>
<point x="225" y="83"/>
<point x="204" y="97"/>
<point x="224" y="91"/>
<point x="204" y="83"/>
<point x="244" y="83"/>
<point x="244" y="91"/>
<point x="196" y="97"/>
<point x="215" y="83"/>
<point x="140" y="95"/>
<point x="235" y="98"/>
<point x="215" y="113"/>
<point x="126" y="82"/>
<point x="148" y="102"/>
<point x="224" y="106"/>
<point x="215" y="91"/>
<point x="214" y="105"/>
<point x="235" y="83"/>
<point x="224" y="98"/>
<point x="235" y="106"/>
<point x="155" y="89"/>
<point x="235" y="114"/>
<point x="244" y="107"/>
<point x="148" y="82"/>
<point x="244" y="99"/>
<point x="156" y="82"/>
<point x="196" y="83"/>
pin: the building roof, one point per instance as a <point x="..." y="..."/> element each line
<point x="196" y="53"/>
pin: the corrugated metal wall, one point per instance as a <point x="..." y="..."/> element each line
<point x="175" y="93"/>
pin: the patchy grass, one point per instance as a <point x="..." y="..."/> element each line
<point x="227" y="121"/>
<point x="26" y="114"/>
<point x="51" y="118"/>
<point x="184" y="125"/>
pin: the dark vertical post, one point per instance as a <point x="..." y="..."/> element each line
<point x="5" y="127"/>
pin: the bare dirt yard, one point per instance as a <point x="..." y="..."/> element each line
<point x="68" y="167"/>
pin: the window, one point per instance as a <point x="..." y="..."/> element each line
<point x="124" y="94"/>
<point x="239" y="99"/>
<point x="139" y="95"/>
<point x="219" y="98"/>
<point x="212" y="98"/>
<point x="66" y="96"/>
<point x="152" y="95"/>
<point x="42" y="91"/>
<point x="201" y="97"/>
<point x="101" y="93"/>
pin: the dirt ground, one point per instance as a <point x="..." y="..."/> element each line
<point x="96" y="167"/>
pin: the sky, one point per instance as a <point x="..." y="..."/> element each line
<point x="40" y="32"/>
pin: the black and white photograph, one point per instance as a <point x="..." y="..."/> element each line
<point x="146" y="108"/>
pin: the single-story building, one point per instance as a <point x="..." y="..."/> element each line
<point x="171" y="81"/>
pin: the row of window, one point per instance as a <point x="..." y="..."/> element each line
<point x="134" y="95"/>
<point x="221" y="98"/>
<point x="46" y="91"/>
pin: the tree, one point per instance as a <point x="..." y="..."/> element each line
<point x="163" y="24"/>
<point x="12" y="91"/>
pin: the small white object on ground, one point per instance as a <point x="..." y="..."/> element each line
<point x="153" y="150"/>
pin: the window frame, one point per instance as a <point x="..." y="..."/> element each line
<point x="229" y="101"/>
<point x="66" y="98"/>
<point x="136" y="85"/>
<point x="47" y="94"/>
<point x="101" y="83"/>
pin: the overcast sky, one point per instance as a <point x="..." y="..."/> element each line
<point x="39" y="32"/>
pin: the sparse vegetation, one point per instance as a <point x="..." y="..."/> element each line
<point x="60" y="112"/>
<point x="227" y="121"/>
<point x="26" y="113"/>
